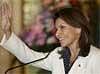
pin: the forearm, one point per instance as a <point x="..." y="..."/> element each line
<point x="15" y="46"/>
<point x="23" y="53"/>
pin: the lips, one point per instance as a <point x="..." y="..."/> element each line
<point x="61" y="39"/>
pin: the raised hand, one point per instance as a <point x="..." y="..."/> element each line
<point x="5" y="13"/>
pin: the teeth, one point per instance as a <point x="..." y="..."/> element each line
<point x="60" y="39"/>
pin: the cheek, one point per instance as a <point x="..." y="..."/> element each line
<point x="70" y="36"/>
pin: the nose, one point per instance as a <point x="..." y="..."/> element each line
<point x="58" y="33"/>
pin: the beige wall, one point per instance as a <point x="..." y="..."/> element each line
<point x="17" y="16"/>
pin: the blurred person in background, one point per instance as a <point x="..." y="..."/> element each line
<point x="40" y="36"/>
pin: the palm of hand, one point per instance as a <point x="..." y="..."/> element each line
<point x="5" y="17"/>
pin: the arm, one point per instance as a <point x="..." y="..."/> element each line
<point x="14" y="45"/>
<point x="25" y="54"/>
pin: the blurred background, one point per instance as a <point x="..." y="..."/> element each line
<point x="32" y="21"/>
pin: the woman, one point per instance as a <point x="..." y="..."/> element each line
<point x="76" y="55"/>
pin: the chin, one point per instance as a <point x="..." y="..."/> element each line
<point x="64" y="45"/>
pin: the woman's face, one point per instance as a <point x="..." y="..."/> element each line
<point x="66" y="33"/>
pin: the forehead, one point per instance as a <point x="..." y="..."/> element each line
<point x="60" y="22"/>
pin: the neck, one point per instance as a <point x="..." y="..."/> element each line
<point x="74" y="48"/>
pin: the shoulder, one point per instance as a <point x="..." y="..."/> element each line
<point x="94" y="55"/>
<point x="94" y="51"/>
<point x="95" y="59"/>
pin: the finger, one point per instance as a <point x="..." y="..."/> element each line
<point x="6" y="10"/>
<point x="5" y="13"/>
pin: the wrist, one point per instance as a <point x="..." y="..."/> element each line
<point x="8" y="34"/>
<point x="1" y="35"/>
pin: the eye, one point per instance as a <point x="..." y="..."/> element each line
<point x="62" y="27"/>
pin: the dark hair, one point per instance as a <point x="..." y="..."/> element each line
<point x="75" y="18"/>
